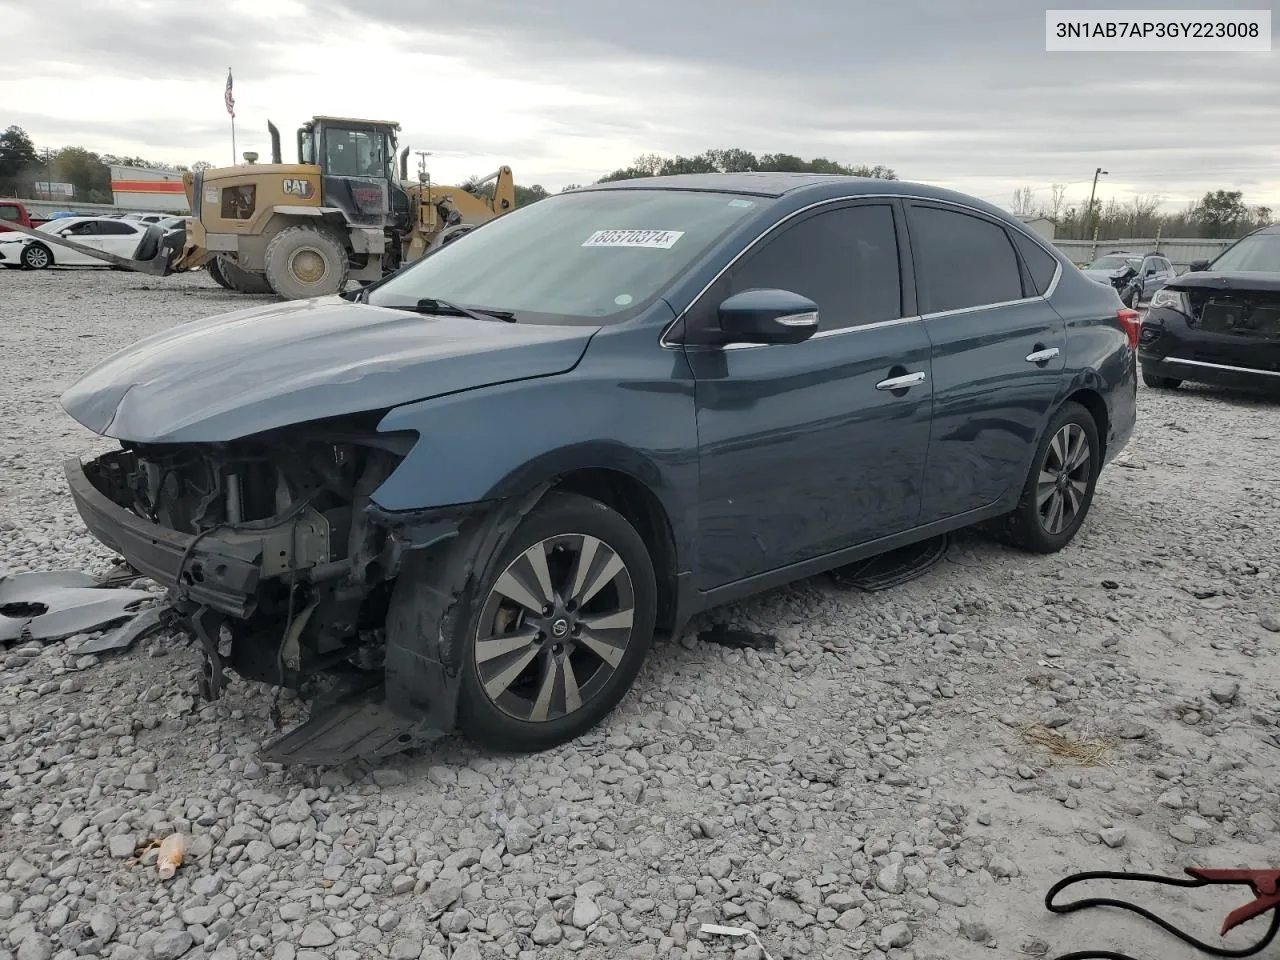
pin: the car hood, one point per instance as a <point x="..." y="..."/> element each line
<point x="238" y="374"/>
<point x="1210" y="281"/>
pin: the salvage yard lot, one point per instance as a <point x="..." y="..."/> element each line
<point x="882" y="782"/>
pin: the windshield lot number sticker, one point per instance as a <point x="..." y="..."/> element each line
<point x="651" y="239"/>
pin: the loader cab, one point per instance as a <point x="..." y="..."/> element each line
<point x="357" y="160"/>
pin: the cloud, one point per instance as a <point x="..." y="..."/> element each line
<point x="566" y="90"/>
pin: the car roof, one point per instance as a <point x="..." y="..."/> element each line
<point x="820" y="185"/>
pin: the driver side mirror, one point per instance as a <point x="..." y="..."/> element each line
<point x="1196" y="266"/>
<point x="768" y="316"/>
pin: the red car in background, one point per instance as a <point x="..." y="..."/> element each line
<point x="16" y="211"/>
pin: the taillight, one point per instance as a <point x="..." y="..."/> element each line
<point x="1131" y="320"/>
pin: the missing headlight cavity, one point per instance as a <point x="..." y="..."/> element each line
<point x="274" y="541"/>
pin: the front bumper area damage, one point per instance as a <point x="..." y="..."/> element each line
<point x="279" y="564"/>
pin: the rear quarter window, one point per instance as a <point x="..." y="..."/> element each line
<point x="1040" y="263"/>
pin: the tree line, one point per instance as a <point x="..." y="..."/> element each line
<point x="1218" y="215"/>
<point x="730" y="160"/>
<point x="23" y="165"/>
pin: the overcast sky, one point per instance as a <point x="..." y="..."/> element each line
<point x="958" y="94"/>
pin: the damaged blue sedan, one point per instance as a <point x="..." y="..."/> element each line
<point x="465" y="498"/>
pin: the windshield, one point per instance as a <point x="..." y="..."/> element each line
<point x="578" y="257"/>
<point x="1261" y="253"/>
<point x="357" y="153"/>
<point x="1113" y="263"/>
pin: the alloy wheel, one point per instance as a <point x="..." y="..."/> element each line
<point x="554" y="627"/>
<point x="1064" y="478"/>
<point x="37" y="257"/>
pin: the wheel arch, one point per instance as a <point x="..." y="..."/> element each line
<point x="642" y="508"/>
<point x="53" y="260"/>
<point x="1092" y="400"/>
<point x="284" y="218"/>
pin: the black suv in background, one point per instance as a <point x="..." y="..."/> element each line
<point x="1219" y="322"/>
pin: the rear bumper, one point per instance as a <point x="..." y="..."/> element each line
<point x="223" y="576"/>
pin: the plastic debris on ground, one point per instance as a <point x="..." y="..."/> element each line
<point x="727" y="636"/>
<point x="894" y="568"/>
<point x="50" y="605"/>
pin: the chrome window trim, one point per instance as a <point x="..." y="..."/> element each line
<point x="839" y="332"/>
<point x="1034" y="237"/>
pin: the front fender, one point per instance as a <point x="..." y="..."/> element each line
<point x="633" y="414"/>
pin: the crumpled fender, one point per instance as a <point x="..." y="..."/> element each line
<point x="433" y="599"/>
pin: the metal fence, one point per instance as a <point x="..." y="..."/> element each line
<point x="1180" y="252"/>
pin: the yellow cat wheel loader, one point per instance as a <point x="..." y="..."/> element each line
<point x="346" y="211"/>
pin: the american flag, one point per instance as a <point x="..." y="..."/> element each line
<point x="231" y="101"/>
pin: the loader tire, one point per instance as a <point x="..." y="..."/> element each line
<point x="214" y="269"/>
<point x="306" y="261"/>
<point x="241" y="280"/>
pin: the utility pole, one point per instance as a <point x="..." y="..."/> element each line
<point x="1094" y="191"/>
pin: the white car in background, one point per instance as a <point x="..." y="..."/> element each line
<point x="110" y="234"/>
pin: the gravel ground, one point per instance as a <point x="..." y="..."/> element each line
<point x="870" y="788"/>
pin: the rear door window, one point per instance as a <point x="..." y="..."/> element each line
<point x="116" y="228"/>
<point x="962" y="261"/>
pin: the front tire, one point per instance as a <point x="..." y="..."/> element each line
<point x="304" y="262"/>
<point x="1059" y="488"/>
<point x="559" y="628"/>
<point x="36" y="256"/>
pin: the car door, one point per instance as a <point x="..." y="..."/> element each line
<point x="1164" y="273"/>
<point x="83" y="232"/>
<point x="805" y="448"/>
<point x="997" y="359"/>
<point x="120" y="237"/>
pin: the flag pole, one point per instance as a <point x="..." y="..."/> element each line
<point x="233" y="118"/>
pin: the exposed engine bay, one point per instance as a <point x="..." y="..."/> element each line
<point x="274" y="557"/>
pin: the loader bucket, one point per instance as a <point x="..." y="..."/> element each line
<point x="156" y="248"/>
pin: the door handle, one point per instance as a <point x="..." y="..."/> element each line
<point x="1042" y="356"/>
<point x="902" y="382"/>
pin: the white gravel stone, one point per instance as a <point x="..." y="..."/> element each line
<point x="849" y="790"/>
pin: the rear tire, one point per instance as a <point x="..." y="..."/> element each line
<point x="304" y="262"/>
<point x="522" y="694"/>
<point x="1160" y="383"/>
<point x="36" y="256"/>
<point x="214" y="269"/>
<point x="242" y="281"/>
<point x="1059" y="488"/>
